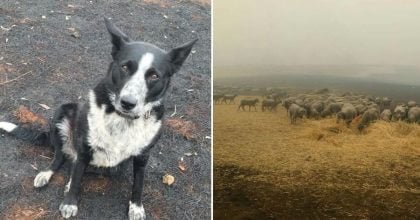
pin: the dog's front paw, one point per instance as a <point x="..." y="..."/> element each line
<point x="68" y="210"/>
<point x="42" y="178"/>
<point x="136" y="212"/>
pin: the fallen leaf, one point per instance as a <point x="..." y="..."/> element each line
<point x="44" y="106"/>
<point x="27" y="212"/>
<point x="76" y="34"/>
<point x="182" y="166"/>
<point x="168" y="179"/>
<point x="24" y="115"/>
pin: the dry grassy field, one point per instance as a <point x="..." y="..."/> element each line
<point x="266" y="168"/>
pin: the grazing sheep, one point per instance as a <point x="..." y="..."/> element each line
<point x="411" y="104"/>
<point x="347" y="113"/>
<point x="368" y="117"/>
<point x="269" y="104"/>
<point x="299" y="102"/>
<point x="275" y="96"/>
<point x="386" y="115"/>
<point x="360" y="108"/>
<point x="315" y="109"/>
<point x="413" y="115"/>
<point x="332" y="108"/>
<point x="230" y="98"/>
<point x="249" y="103"/>
<point x="313" y="113"/>
<point x="287" y="103"/>
<point x="295" y="112"/>
<point x="217" y="98"/>
<point x="400" y="113"/>
<point x="385" y="103"/>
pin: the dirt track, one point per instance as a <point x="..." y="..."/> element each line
<point x="53" y="67"/>
<point x="265" y="168"/>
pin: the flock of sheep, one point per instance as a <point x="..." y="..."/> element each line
<point x="345" y="107"/>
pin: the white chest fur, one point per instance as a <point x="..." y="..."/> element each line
<point x="114" y="138"/>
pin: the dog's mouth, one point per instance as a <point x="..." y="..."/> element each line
<point x="127" y="115"/>
<point x="131" y="116"/>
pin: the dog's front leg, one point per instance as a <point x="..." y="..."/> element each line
<point x="136" y="210"/>
<point x="68" y="207"/>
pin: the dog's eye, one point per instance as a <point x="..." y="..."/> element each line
<point x="124" y="67"/>
<point x="152" y="75"/>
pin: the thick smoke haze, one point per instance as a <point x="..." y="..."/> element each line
<point x="382" y="35"/>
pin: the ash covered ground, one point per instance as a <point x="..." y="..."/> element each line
<point x="53" y="52"/>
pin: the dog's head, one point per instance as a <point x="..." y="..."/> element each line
<point x="140" y="73"/>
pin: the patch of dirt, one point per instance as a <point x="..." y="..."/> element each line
<point x="30" y="151"/>
<point x="26" y="116"/>
<point x="185" y="128"/>
<point x="25" y="212"/>
<point x="58" y="179"/>
<point x="97" y="184"/>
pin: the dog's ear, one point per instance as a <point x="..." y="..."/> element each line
<point x="178" y="55"/>
<point x="118" y="38"/>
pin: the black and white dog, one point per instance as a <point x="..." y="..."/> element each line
<point x="122" y="120"/>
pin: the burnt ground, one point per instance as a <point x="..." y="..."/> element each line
<point x="41" y="62"/>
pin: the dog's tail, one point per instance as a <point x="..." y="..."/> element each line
<point x="34" y="136"/>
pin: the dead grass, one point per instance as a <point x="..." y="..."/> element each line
<point x="183" y="127"/>
<point x="26" y="116"/>
<point x="25" y="212"/>
<point x="315" y="160"/>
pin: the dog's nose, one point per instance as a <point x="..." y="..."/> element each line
<point x="128" y="102"/>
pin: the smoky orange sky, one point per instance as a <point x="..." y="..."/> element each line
<point x="316" y="32"/>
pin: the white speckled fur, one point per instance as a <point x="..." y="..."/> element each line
<point x="66" y="134"/>
<point x="67" y="187"/>
<point x="68" y="211"/>
<point x="114" y="138"/>
<point x="136" y="212"/>
<point x="42" y="178"/>
<point x="137" y="87"/>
